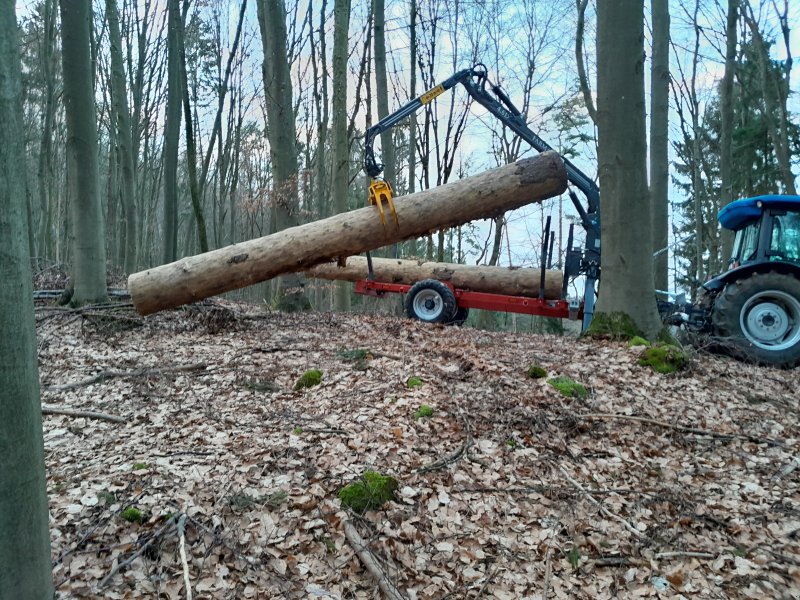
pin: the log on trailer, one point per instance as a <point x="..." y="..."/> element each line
<point x="492" y="280"/>
<point x="482" y="196"/>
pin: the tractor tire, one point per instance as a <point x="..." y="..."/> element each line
<point x="460" y="316"/>
<point x="430" y="301"/>
<point x="760" y="317"/>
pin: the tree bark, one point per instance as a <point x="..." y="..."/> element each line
<point x="172" y="132"/>
<point x="282" y="136"/>
<point x="659" y="141"/>
<point x="298" y="248"/>
<point x="86" y="213"/>
<point x="124" y="138"/>
<point x="341" y="149"/>
<point x="24" y="539"/>
<point x="492" y="280"/>
<point x="627" y="263"/>
<point x="726" y="119"/>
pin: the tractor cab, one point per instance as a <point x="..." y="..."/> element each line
<point x="767" y="229"/>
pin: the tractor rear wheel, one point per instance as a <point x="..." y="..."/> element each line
<point x="760" y="315"/>
<point x="431" y="301"/>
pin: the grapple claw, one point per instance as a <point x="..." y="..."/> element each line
<point x="379" y="192"/>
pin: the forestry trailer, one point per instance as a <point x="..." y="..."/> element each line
<point x="754" y="306"/>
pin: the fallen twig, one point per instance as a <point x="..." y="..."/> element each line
<point x="370" y="562"/>
<point x="182" y="550"/>
<point x="171" y="522"/>
<point x="89" y="414"/>
<point x="104" y="375"/>
<point x="679" y="554"/>
<point x="683" y="428"/>
<point x="602" y="508"/>
<point x="451" y="458"/>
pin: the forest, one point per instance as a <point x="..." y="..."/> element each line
<point x="294" y="438"/>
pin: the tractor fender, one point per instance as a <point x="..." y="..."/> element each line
<point x="782" y="267"/>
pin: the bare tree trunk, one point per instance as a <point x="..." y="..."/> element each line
<point x="282" y="137"/>
<point x="119" y="94"/>
<point x="88" y="232"/>
<point x="626" y="263"/>
<point x="659" y="141"/>
<point x="172" y="132"/>
<point x="24" y="537"/>
<point x="726" y="118"/>
<point x="45" y="173"/>
<point x="382" y="91"/>
<point x="298" y="248"/>
<point x="341" y="148"/>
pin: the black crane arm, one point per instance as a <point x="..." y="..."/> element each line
<point x="475" y="80"/>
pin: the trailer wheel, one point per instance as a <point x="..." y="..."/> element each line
<point x="462" y="314"/>
<point x="431" y="301"/>
<point x="761" y="316"/>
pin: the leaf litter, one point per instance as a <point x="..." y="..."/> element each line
<point x="658" y="486"/>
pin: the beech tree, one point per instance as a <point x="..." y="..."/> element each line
<point x="88" y="233"/>
<point x="659" y="141"/>
<point x="626" y="261"/>
<point x="26" y="570"/>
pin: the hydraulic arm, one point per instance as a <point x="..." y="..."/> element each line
<point x="494" y="99"/>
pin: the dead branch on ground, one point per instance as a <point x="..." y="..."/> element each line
<point x="88" y="414"/>
<point x="370" y="562"/>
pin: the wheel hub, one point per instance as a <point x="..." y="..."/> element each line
<point x="771" y="320"/>
<point x="768" y="322"/>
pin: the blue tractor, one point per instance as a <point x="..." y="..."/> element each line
<point x="754" y="307"/>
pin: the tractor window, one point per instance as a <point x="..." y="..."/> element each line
<point x="745" y="243"/>
<point x="785" y="244"/>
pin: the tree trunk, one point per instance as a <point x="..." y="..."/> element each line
<point x="45" y="173"/>
<point x="282" y="136"/>
<point x="492" y="280"/>
<point x="24" y="539"/>
<point x="659" y="141"/>
<point x="124" y="137"/>
<point x="298" y="248"/>
<point x="726" y="119"/>
<point x="88" y="232"/>
<point x="341" y="148"/>
<point x="627" y="263"/>
<point x="172" y="132"/>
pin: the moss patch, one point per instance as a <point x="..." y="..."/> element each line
<point x="423" y="411"/>
<point x="664" y="358"/>
<point x="568" y="387"/>
<point x="613" y="326"/>
<point x="638" y="341"/>
<point x="370" y="492"/>
<point x="132" y="515"/>
<point x="413" y="382"/>
<point x="357" y="357"/>
<point x="308" y="379"/>
<point x="536" y="372"/>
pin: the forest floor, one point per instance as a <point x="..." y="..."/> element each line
<point x="666" y="486"/>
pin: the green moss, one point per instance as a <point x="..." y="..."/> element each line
<point x="638" y="341"/>
<point x="664" y="358"/>
<point x="511" y="443"/>
<point x="413" y="382"/>
<point x="370" y="492"/>
<point x="423" y="411"/>
<point x="297" y="430"/>
<point x="139" y="466"/>
<point x="536" y="372"/>
<point x="614" y="326"/>
<point x="568" y="387"/>
<point x="132" y="515"/>
<point x="358" y="357"/>
<point x="308" y="379"/>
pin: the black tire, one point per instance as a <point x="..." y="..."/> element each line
<point x="460" y="317"/>
<point x="760" y="316"/>
<point x="430" y="301"/>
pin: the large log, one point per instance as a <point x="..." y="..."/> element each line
<point x="482" y="196"/>
<point x="493" y="280"/>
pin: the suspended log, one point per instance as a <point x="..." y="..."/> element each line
<point x="492" y="280"/>
<point x="482" y="196"/>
